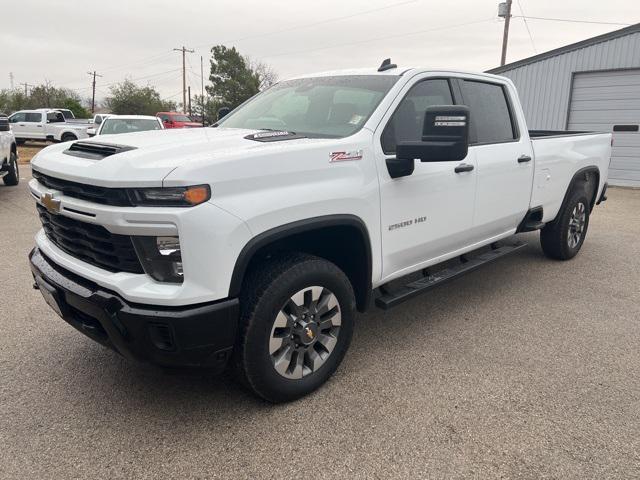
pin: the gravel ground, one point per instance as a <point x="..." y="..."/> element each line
<point x="526" y="368"/>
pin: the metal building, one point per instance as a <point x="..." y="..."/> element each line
<point x="589" y="85"/>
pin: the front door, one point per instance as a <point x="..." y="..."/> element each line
<point x="18" y="124"/>
<point x="424" y="215"/>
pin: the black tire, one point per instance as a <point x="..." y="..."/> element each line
<point x="269" y="288"/>
<point x="20" y="142"/>
<point x="13" y="177"/>
<point x="68" y="137"/>
<point x="557" y="240"/>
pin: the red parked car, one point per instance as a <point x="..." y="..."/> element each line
<point x="177" y="120"/>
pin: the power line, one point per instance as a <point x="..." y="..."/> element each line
<point x="573" y="21"/>
<point x="314" y="24"/>
<point x="399" y="35"/>
<point x="526" y="24"/>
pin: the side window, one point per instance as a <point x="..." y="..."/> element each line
<point x="33" y="117"/>
<point x="17" y="117"/>
<point x="406" y="122"/>
<point x="164" y="117"/>
<point x="55" y="117"/>
<point x="490" y="117"/>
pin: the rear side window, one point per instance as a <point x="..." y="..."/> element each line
<point x="406" y="123"/>
<point x="490" y="117"/>
<point x="55" y="117"/>
<point x="33" y="117"/>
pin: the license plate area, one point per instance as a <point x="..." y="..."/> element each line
<point x="50" y="295"/>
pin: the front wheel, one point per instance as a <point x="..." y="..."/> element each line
<point x="563" y="238"/>
<point x="297" y="321"/>
<point x="13" y="177"/>
<point x="68" y="137"/>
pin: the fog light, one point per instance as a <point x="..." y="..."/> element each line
<point x="160" y="257"/>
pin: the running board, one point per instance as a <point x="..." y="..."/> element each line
<point x="391" y="299"/>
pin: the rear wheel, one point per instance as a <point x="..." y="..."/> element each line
<point x="563" y="238"/>
<point x="13" y="177"/>
<point x="297" y="320"/>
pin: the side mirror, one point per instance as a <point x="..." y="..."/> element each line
<point x="91" y="132"/>
<point x="445" y="138"/>
<point x="222" y="112"/>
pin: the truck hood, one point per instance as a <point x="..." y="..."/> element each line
<point x="148" y="157"/>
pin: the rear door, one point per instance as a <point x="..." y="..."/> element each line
<point x="424" y="215"/>
<point x="35" y="126"/>
<point x="504" y="158"/>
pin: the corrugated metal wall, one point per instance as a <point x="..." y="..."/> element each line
<point x="544" y="86"/>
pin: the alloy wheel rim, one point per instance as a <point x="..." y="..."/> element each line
<point x="577" y="222"/>
<point x="305" y="332"/>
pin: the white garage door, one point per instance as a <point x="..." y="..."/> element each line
<point x="610" y="102"/>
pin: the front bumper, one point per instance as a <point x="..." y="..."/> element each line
<point x="195" y="336"/>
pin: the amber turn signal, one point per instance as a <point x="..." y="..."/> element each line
<point x="197" y="195"/>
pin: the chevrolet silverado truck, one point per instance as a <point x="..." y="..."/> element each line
<point x="8" y="154"/>
<point x="253" y="242"/>
<point x="45" y="124"/>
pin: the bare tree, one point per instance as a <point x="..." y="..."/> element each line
<point x="266" y="75"/>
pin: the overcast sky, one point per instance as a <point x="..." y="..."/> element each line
<point x="62" y="40"/>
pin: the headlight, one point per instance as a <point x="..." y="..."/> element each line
<point x="171" y="196"/>
<point x="160" y="257"/>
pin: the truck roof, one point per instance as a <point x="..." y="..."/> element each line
<point x="398" y="71"/>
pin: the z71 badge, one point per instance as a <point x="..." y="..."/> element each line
<point x="345" y="156"/>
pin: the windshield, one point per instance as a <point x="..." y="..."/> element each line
<point x="180" y="118"/>
<point x="128" y="125"/>
<point x="330" y="107"/>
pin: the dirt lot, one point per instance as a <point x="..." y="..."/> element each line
<point x="527" y="368"/>
<point x="29" y="149"/>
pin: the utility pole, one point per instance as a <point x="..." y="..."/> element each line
<point x="189" y="100"/>
<point x="11" y="80"/>
<point x="202" y="88"/>
<point x="26" y="87"/>
<point x="504" y="11"/>
<point x="93" y="85"/>
<point x="184" y="51"/>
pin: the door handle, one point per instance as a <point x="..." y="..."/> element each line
<point x="524" y="159"/>
<point x="39" y="126"/>
<point x="463" y="167"/>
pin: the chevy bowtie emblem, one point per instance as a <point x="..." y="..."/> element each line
<point x="51" y="204"/>
<point x="309" y="333"/>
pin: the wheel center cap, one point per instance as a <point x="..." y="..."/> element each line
<point x="307" y="333"/>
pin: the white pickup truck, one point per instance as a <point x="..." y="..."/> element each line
<point x="8" y="154"/>
<point x="45" y="124"/>
<point x="256" y="241"/>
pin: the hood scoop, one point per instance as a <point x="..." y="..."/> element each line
<point x="95" y="150"/>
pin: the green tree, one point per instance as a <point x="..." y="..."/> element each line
<point x="235" y="78"/>
<point x="42" y="96"/>
<point x="127" y="98"/>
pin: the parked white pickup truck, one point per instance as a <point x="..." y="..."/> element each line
<point x="45" y="124"/>
<point x="8" y="154"/>
<point x="256" y="241"/>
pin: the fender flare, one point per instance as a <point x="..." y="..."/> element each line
<point x="576" y="178"/>
<point x="301" y="226"/>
